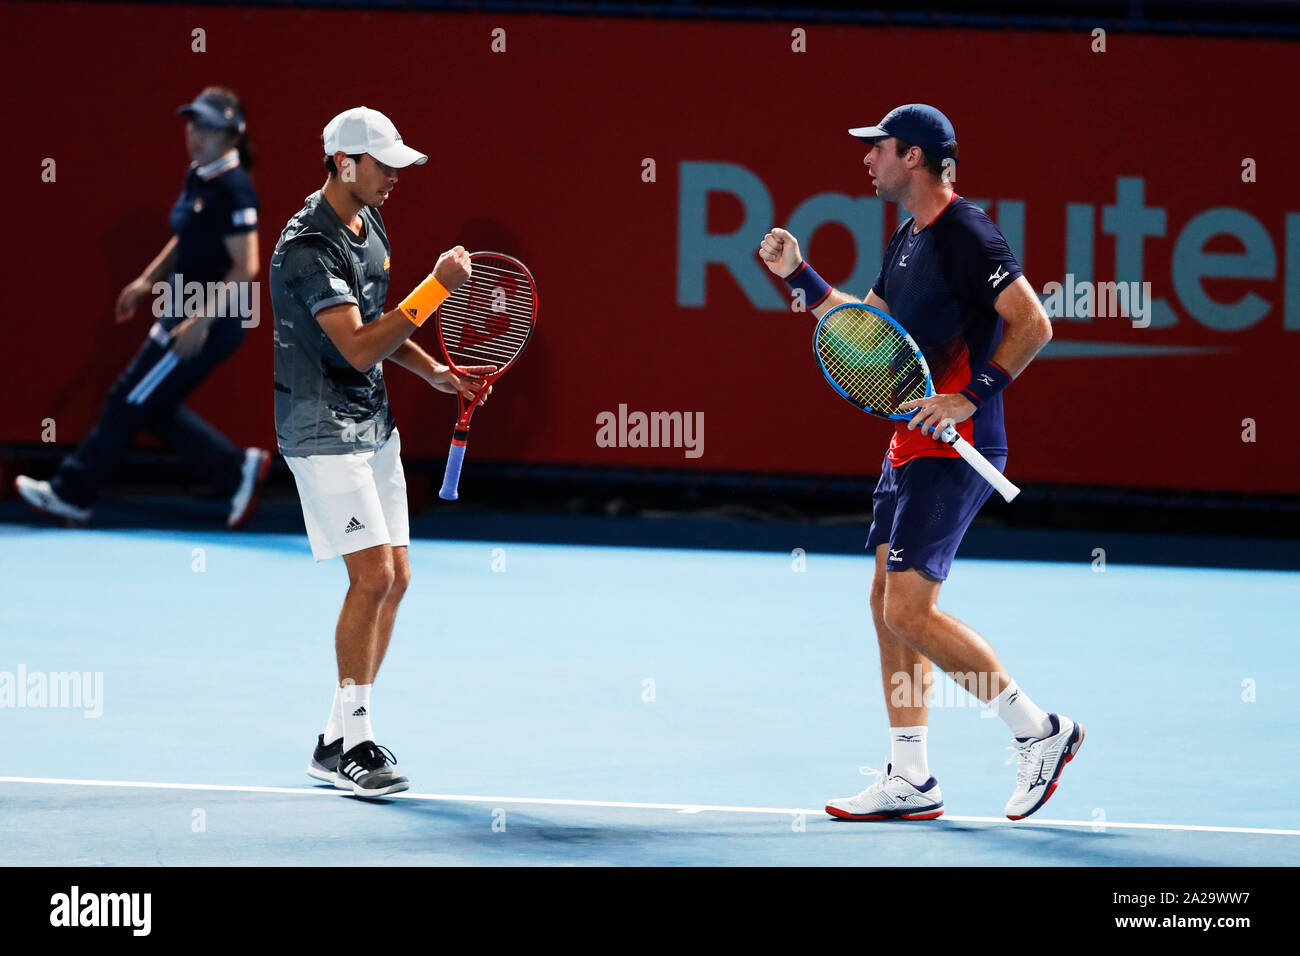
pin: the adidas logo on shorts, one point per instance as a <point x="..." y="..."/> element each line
<point x="353" y="525"/>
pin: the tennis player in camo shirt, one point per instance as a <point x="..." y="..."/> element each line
<point x="329" y="280"/>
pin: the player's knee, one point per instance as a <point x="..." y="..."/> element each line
<point x="401" y="581"/>
<point x="878" y="600"/>
<point x="904" y="618"/>
<point x="374" y="582"/>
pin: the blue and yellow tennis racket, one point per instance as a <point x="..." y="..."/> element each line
<point x="873" y="363"/>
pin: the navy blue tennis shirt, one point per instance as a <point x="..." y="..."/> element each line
<point x="217" y="200"/>
<point x="940" y="284"/>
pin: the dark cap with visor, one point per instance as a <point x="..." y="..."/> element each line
<point x="213" y="112"/>
<point x="915" y="123"/>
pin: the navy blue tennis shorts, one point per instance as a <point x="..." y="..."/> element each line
<point x="923" y="508"/>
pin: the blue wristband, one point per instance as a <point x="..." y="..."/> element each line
<point x="815" y="288"/>
<point x="985" y="383"/>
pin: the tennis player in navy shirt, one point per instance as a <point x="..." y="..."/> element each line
<point x="950" y="279"/>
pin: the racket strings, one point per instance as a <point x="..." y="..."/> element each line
<point x="870" y="361"/>
<point x="488" y="320"/>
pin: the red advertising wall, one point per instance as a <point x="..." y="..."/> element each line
<point x="649" y="299"/>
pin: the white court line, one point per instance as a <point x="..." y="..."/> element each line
<point x="618" y="804"/>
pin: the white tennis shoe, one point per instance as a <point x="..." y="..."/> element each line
<point x="257" y="463"/>
<point x="890" y="798"/>
<point x="1039" y="765"/>
<point x="39" y="495"/>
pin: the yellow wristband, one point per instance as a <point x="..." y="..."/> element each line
<point x="424" y="300"/>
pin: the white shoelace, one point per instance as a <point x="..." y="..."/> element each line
<point x="879" y="782"/>
<point x="1025" y="769"/>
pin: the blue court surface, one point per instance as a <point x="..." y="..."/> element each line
<point x="621" y="706"/>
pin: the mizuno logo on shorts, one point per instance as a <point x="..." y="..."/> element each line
<point x="894" y="554"/>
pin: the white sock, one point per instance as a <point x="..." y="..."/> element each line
<point x="1022" y="715"/>
<point x="907" y="754"/>
<point x="356" y="717"/>
<point x="334" y="726"/>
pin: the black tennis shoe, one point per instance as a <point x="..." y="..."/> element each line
<point x="366" y="772"/>
<point x="325" y="759"/>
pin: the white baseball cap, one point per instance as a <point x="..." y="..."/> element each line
<point x="362" y="130"/>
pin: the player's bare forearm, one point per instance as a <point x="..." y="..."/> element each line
<point x="836" y="297"/>
<point x="467" y="383"/>
<point x="1025" y="326"/>
<point x="840" y="298"/>
<point x="415" y="359"/>
<point x="364" y="346"/>
<point x="381" y="338"/>
<point x="1025" y="330"/>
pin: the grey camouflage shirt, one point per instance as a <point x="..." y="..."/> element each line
<point x="323" y="406"/>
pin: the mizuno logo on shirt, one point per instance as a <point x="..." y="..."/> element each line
<point x="902" y="263"/>
<point x="998" y="276"/>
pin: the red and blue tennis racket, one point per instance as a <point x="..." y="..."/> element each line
<point x="873" y="363"/>
<point x="484" y="324"/>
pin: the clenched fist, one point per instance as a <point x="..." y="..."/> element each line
<point x="779" y="251"/>
<point x="453" y="268"/>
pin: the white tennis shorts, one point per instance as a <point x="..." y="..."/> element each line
<point x="353" y="502"/>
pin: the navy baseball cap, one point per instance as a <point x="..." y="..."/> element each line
<point x="214" y="112"/>
<point x="915" y="123"/>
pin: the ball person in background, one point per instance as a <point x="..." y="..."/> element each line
<point x="952" y="282"/>
<point x="329" y="279"/>
<point x="214" y="240"/>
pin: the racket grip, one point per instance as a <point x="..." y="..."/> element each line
<point x="451" y="477"/>
<point x="999" y="481"/>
